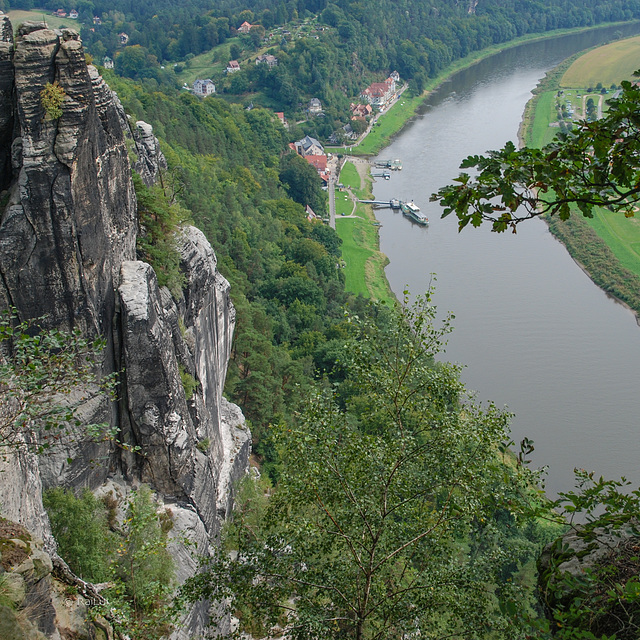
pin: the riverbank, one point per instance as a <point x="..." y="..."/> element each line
<point x="389" y="124"/>
<point x="357" y="226"/>
<point x="604" y="247"/>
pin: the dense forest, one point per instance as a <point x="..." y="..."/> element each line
<point x="346" y="44"/>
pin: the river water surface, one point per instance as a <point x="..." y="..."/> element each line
<point x="534" y="333"/>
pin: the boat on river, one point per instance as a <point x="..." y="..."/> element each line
<point x="412" y="210"/>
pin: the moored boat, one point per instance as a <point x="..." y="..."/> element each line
<point x="412" y="210"/>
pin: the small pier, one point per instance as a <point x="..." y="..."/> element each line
<point x="381" y="174"/>
<point x="394" y="165"/>
<point x="390" y="204"/>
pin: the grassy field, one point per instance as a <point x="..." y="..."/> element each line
<point x="18" y="16"/>
<point x="621" y="234"/>
<point x="350" y="177"/>
<point x="363" y="262"/>
<point x="540" y="132"/>
<point x="207" y="64"/>
<point x="609" y="65"/>
<point x="607" y="245"/>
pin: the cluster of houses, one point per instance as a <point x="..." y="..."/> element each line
<point x="61" y="13"/>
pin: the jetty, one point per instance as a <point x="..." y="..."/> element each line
<point x="394" y="165"/>
<point x="384" y="174"/>
<point x="394" y="203"/>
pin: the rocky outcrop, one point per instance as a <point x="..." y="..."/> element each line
<point x="67" y="250"/>
<point x="594" y="570"/>
<point x="149" y="158"/>
<point x="37" y="603"/>
<point x="70" y="219"/>
<point x="188" y="442"/>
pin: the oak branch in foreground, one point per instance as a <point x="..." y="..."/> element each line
<point x="594" y="165"/>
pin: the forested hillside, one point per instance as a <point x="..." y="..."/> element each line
<point x="230" y="168"/>
<point x="328" y="50"/>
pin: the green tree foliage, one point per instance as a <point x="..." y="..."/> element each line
<point x="159" y="221"/>
<point x="143" y="572"/>
<point x="594" y="165"/>
<point x="589" y="577"/>
<point x="385" y="520"/>
<point x="46" y="377"/>
<point x="51" y="98"/>
<point x="131" y="556"/>
<point x="302" y="183"/>
<point x="82" y="533"/>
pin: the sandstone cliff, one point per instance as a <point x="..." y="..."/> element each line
<point x="67" y="251"/>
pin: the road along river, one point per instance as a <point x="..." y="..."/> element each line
<point x="534" y="332"/>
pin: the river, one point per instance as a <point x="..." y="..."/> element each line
<point x="534" y="333"/>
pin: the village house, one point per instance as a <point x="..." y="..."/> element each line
<point x="245" y="27"/>
<point x="233" y="66"/>
<point x="308" y="146"/>
<point x="268" y="59"/>
<point x="73" y="14"/>
<point x="124" y="38"/>
<point x="320" y="165"/>
<point x="96" y="20"/>
<point x="360" y="111"/>
<point x="60" y="13"/>
<point x="283" y="120"/>
<point x="311" y="214"/>
<point x="204" y="87"/>
<point x="107" y="62"/>
<point x="315" y="107"/>
<point x="378" y="94"/>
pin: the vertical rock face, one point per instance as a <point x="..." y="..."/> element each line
<point x="6" y="101"/>
<point x="71" y="215"/>
<point x="67" y="249"/>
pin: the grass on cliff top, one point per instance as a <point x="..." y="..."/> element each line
<point x="17" y="17"/>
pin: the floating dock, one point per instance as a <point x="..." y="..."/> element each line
<point x="394" y="165"/>
<point x="394" y="203"/>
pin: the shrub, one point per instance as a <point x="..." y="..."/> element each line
<point x="51" y="98"/>
<point x="189" y="383"/>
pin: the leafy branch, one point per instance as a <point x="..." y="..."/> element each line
<point x="594" y="165"/>
<point x="46" y="377"/>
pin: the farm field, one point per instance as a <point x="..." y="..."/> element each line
<point x="608" y="65"/>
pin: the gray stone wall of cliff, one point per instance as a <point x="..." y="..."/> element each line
<point x="67" y="251"/>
